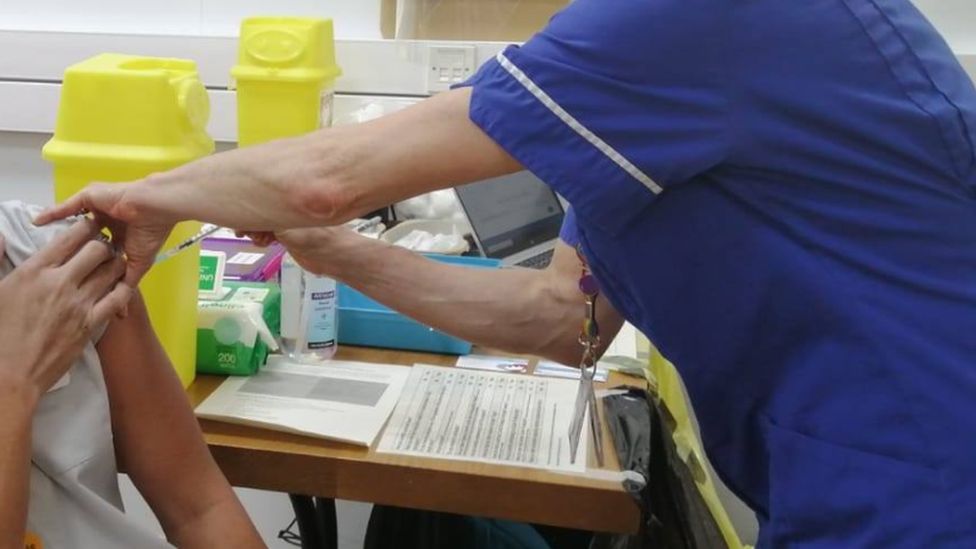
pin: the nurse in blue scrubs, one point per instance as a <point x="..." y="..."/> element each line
<point x="781" y="195"/>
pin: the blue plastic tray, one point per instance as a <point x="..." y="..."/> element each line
<point x="363" y="321"/>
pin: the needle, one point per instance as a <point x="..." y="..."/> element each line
<point x="206" y="231"/>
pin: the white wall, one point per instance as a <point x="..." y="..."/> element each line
<point x="354" y="19"/>
<point x="956" y="19"/>
<point x="23" y="174"/>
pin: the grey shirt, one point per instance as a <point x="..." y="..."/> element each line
<point x="74" y="493"/>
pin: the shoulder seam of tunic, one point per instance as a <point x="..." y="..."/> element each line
<point x="576" y="126"/>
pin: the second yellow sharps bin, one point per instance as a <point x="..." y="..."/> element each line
<point x="122" y="118"/>
<point x="285" y="74"/>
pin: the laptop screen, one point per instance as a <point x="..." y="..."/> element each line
<point x="511" y="213"/>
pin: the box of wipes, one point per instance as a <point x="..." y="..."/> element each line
<point x="235" y="332"/>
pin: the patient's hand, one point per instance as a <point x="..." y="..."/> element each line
<point x="51" y="304"/>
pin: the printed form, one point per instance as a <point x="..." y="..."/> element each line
<point x="337" y="400"/>
<point x="488" y="417"/>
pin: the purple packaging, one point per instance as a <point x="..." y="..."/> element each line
<point x="246" y="261"/>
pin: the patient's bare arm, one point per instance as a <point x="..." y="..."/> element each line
<point x="159" y="442"/>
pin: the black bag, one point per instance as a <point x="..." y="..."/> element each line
<point x="673" y="513"/>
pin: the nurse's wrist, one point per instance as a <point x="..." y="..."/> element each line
<point x="357" y="256"/>
<point x="158" y="197"/>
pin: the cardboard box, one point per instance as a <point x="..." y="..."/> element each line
<point x="228" y="341"/>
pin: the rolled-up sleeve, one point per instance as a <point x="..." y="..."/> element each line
<point x="569" y="232"/>
<point x="613" y="102"/>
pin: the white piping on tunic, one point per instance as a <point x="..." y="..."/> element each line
<point x="568" y="119"/>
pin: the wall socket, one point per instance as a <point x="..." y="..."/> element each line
<point x="449" y="65"/>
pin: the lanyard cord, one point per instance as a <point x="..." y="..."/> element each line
<point x="589" y="336"/>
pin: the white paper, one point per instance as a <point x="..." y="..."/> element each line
<point x="228" y="234"/>
<point x="245" y="258"/>
<point x="486" y="417"/>
<point x="554" y="369"/>
<point x="336" y="400"/>
<point x="61" y="383"/>
<point x="250" y="295"/>
<point x="625" y="344"/>
<point x="493" y="363"/>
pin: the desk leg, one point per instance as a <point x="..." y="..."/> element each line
<point x="307" y="520"/>
<point x="325" y="508"/>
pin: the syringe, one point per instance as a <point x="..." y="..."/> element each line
<point x="206" y="231"/>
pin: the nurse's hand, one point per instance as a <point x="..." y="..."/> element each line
<point x="50" y="306"/>
<point x="329" y="251"/>
<point x="139" y="231"/>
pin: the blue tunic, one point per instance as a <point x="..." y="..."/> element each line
<point x="782" y="196"/>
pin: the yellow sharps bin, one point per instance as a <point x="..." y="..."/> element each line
<point x="122" y="118"/>
<point x="285" y="76"/>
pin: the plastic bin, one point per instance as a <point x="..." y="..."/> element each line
<point x="285" y="77"/>
<point x="365" y="322"/>
<point x="122" y="118"/>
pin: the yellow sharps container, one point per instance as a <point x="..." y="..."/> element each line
<point x="122" y="118"/>
<point x="285" y="77"/>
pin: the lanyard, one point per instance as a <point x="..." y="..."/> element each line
<point x="589" y="339"/>
<point x="589" y="336"/>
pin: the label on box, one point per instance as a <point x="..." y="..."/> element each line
<point x="250" y="295"/>
<point x="245" y="258"/>
<point x="227" y="357"/>
<point x="211" y="272"/>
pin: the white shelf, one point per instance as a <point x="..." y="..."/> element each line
<point x="32" y="63"/>
<point x="396" y="67"/>
<point x="385" y="71"/>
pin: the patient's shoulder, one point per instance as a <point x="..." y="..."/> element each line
<point x="23" y="238"/>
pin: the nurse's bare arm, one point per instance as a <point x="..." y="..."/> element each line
<point x="515" y="310"/>
<point x="324" y="178"/>
<point x="159" y="442"/>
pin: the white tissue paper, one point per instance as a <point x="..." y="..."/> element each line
<point x="441" y="204"/>
<point x="423" y="241"/>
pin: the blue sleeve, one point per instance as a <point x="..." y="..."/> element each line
<point x="569" y="232"/>
<point x="613" y="102"/>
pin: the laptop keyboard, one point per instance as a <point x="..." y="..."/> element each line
<point x="540" y="261"/>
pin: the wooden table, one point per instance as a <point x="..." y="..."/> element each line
<point x="269" y="460"/>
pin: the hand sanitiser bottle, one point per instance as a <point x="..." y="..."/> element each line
<point x="309" y="326"/>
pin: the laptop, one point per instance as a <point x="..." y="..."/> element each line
<point x="514" y="218"/>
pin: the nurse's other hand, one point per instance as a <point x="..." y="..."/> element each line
<point x="259" y="238"/>
<point x="324" y="250"/>
<point x="135" y="228"/>
<point x="50" y="306"/>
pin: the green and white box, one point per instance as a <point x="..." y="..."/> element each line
<point x="236" y="332"/>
